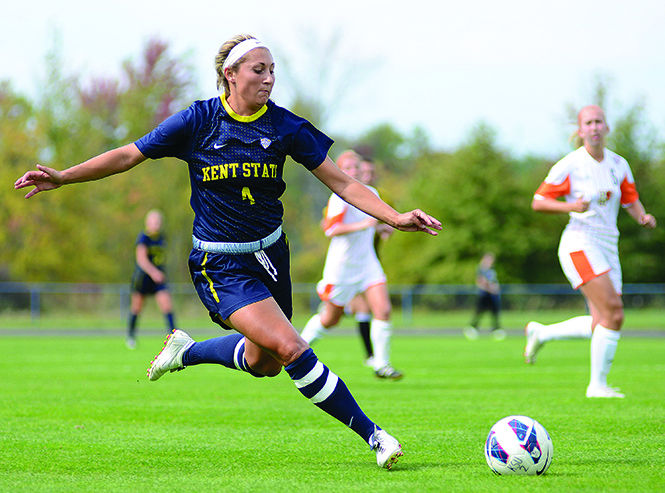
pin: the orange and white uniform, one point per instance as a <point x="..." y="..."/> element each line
<point x="589" y="245"/>
<point x="351" y="263"/>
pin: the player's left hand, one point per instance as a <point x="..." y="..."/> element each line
<point x="417" y="220"/>
<point x="648" y="221"/>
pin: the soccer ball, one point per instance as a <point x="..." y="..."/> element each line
<point x="518" y="445"/>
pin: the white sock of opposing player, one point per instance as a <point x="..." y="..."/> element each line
<point x="313" y="329"/>
<point x="380" y="332"/>
<point x="573" y="328"/>
<point x="603" y="347"/>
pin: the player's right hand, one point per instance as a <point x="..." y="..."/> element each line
<point x="580" y="205"/>
<point x="44" y="179"/>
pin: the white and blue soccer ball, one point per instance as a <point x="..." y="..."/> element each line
<point x="518" y="445"/>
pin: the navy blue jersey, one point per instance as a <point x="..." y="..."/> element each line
<point x="236" y="163"/>
<point x="155" y="244"/>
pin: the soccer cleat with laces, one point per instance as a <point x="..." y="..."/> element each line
<point x="388" y="450"/>
<point x="604" y="392"/>
<point x="533" y="344"/>
<point x="170" y="357"/>
<point x="389" y="372"/>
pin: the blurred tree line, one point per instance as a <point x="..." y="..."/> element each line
<point x="479" y="191"/>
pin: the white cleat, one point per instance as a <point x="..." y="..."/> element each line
<point x="471" y="333"/>
<point x="170" y="357"/>
<point x="533" y="344"/>
<point x="604" y="392"/>
<point x="499" y="334"/>
<point x="388" y="449"/>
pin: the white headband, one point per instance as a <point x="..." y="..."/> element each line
<point x="240" y="50"/>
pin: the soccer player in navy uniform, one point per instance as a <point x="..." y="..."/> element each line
<point x="149" y="276"/>
<point x="235" y="146"/>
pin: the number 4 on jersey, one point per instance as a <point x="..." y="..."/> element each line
<point x="247" y="195"/>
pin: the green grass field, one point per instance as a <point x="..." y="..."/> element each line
<point x="635" y="319"/>
<point x="79" y="414"/>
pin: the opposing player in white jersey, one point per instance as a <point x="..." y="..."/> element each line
<point x="352" y="267"/>
<point x="595" y="182"/>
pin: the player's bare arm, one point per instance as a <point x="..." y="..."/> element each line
<point x="554" y="206"/>
<point x="355" y="193"/>
<point x="643" y="218"/>
<point x="106" y="164"/>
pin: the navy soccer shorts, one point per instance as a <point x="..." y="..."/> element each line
<point x="143" y="284"/>
<point x="228" y="282"/>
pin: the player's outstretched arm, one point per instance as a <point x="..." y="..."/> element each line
<point x="357" y="194"/>
<point x="106" y="164"/>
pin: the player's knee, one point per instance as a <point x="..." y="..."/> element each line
<point x="615" y="314"/>
<point x="291" y="350"/>
<point x="382" y="313"/>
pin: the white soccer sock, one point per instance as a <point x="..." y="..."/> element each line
<point x="313" y="329"/>
<point x="380" y="332"/>
<point x="363" y="317"/>
<point x="603" y="347"/>
<point x="573" y="328"/>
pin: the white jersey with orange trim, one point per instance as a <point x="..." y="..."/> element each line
<point x="605" y="185"/>
<point x="350" y="256"/>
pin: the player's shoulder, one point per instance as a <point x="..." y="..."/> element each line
<point x="205" y="107"/>
<point x="615" y="158"/>
<point x="283" y="118"/>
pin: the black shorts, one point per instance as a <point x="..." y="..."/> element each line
<point x="228" y="282"/>
<point x="143" y="284"/>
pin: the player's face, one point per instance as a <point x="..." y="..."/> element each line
<point x="254" y="78"/>
<point x="350" y="166"/>
<point x="367" y="172"/>
<point x="592" y="127"/>
<point x="153" y="223"/>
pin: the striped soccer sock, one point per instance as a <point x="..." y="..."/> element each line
<point x="227" y="351"/>
<point x="328" y="392"/>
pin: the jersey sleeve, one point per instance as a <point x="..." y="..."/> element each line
<point x="335" y="212"/>
<point x="170" y="138"/>
<point x="629" y="193"/>
<point x="142" y="239"/>
<point x="305" y="143"/>
<point x="556" y="184"/>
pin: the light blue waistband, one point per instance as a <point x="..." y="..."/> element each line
<point x="237" y="248"/>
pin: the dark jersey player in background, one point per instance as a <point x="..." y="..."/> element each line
<point x="149" y="276"/>
<point x="235" y="146"/>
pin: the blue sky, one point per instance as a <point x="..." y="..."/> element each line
<point x="443" y="66"/>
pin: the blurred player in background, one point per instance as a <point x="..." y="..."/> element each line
<point x="488" y="298"/>
<point x="150" y="275"/>
<point x="235" y="146"/>
<point x="595" y="182"/>
<point x="352" y="268"/>
<point x="359" y="306"/>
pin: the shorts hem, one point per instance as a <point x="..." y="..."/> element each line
<point x="231" y="310"/>
<point x="585" y="281"/>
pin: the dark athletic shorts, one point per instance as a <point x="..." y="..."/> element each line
<point x="227" y="282"/>
<point x="143" y="284"/>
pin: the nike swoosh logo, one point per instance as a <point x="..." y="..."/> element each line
<point x="218" y="146"/>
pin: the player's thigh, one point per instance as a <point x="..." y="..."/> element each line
<point x="330" y="314"/>
<point x="604" y="302"/>
<point x="269" y="333"/>
<point x="359" y="304"/>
